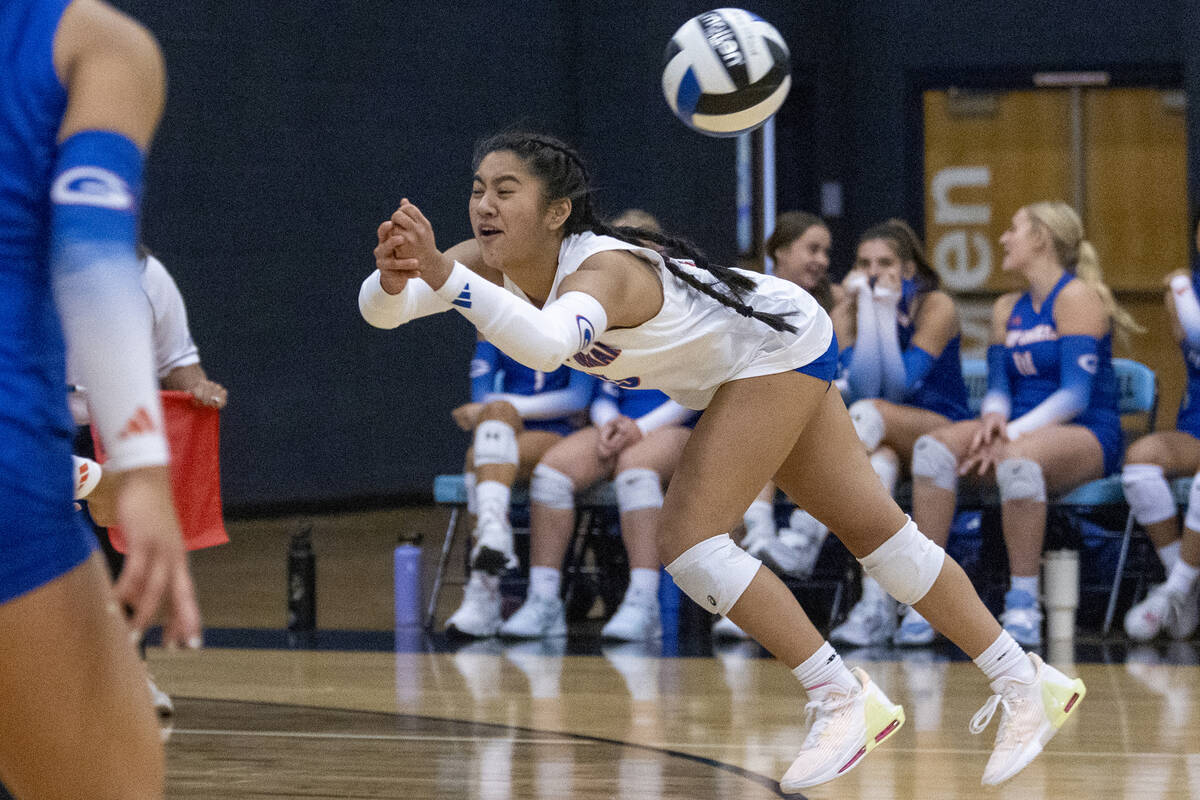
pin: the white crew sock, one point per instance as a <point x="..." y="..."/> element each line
<point x="1169" y="555"/>
<point x="492" y="497"/>
<point x="643" y="581"/>
<point x="544" y="582"/>
<point x="1005" y="659"/>
<point x="1182" y="577"/>
<point x="824" y="672"/>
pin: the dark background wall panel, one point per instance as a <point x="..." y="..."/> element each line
<point x="293" y="129"/>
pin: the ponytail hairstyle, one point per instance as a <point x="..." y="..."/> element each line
<point x="907" y="247"/>
<point x="1062" y="225"/>
<point x="564" y="175"/>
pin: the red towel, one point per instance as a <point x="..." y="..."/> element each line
<point x="193" y="438"/>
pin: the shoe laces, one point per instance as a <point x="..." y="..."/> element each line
<point x="1012" y="702"/>
<point x="819" y="713"/>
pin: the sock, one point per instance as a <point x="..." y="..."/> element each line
<point x="1030" y="584"/>
<point x="1169" y="555"/>
<point x="824" y="672"/>
<point x="1182" y="577"/>
<point x="469" y="483"/>
<point x="544" y="582"/>
<point x="491" y="497"/>
<point x="1005" y="659"/>
<point x="643" y="581"/>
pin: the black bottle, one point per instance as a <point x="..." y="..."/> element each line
<point x="302" y="581"/>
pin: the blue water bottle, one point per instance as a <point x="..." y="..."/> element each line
<point x="408" y="581"/>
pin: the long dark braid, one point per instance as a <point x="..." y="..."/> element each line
<point x="565" y="175"/>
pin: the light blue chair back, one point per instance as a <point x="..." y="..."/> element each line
<point x="1137" y="388"/>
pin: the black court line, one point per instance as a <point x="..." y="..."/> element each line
<point x="741" y="772"/>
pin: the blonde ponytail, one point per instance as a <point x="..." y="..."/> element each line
<point x="1078" y="256"/>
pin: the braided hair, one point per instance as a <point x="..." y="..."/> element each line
<point x="565" y="175"/>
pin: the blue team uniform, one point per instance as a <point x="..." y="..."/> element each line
<point x="41" y="536"/>
<point x="1032" y="365"/>
<point x="1188" y="420"/>
<point x="636" y="403"/>
<point x="943" y="389"/>
<point x="512" y="377"/>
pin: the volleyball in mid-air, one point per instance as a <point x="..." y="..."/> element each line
<point x="725" y="72"/>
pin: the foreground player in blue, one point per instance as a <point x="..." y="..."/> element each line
<point x="82" y="91"/>
<point x="550" y="284"/>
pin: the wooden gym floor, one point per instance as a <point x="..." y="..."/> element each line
<point x="258" y="718"/>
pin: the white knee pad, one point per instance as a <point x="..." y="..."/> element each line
<point x="906" y="565"/>
<point x="495" y="443"/>
<point x="1192" y="520"/>
<point x="550" y="488"/>
<point x="638" y="489"/>
<point x="1147" y="492"/>
<point x="868" y="423"/>
<point x="933" y="460"/>
<point x="887" y="468"/>
<point x="714" y="573"/>
<point x="1020" y="479"/>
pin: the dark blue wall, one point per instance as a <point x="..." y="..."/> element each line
<point x="292" y="129"/>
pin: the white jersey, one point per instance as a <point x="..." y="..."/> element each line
<point x="694" y="343"/>
<point x="173" y="344"/>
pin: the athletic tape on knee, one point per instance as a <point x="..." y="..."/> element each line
<point x="495" y="443"/>
<point x="714" y="573"/>
<point x="868" y="423"/>
<point x="550" y="488"/>
<point x="637" y="489"/>
<point x="885" y="466"/>
<point x="1147" y="492"/>
<point x="906" y="565"/>
<point x="1020" y="479"/>
<point x="1192" y="520"/>
<point x="933" y="460"/>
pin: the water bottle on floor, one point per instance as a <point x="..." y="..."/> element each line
<point x="407" y="575"/>
<point x="302" y="581"/>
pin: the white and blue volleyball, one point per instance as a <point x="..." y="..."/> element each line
<point x="725" y="72"/>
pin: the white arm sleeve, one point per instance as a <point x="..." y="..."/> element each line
<point x="1060" y="407"/>
<point x="107" y="322"/>
<point x="383" y="310"/>
<point x="668" y="413"/>
<point x="552" y="404"/>
<point x="541" y="339"/>
<point x="1187" y="308"/>
<point x="895" y="380"/>
<point x="996" y="402"/>
<point x="865" y="374"/>
<point x="173" y="344"/>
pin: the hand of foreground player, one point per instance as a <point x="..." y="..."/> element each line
<point x="416" y="245"/>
